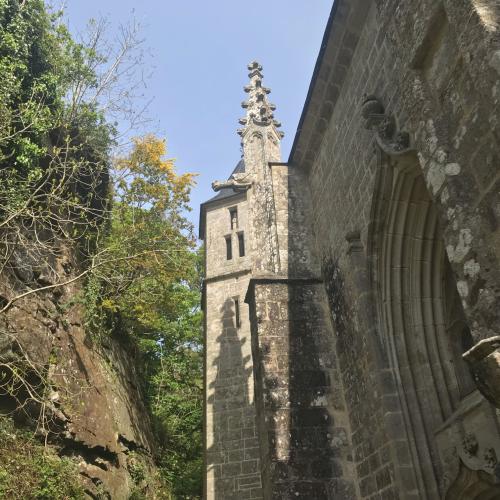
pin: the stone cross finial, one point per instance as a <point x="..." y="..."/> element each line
<point x="259" y="110"/>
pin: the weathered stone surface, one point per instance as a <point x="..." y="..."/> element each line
<point x="426" y="67"/>
<point x="98" y="416"/>
<point x="232" y="456"/>
<point x="304" y="445"/>
<point x="285" y="381"/>
<point x="374" y="257"/>
<point x="484" y="359"/>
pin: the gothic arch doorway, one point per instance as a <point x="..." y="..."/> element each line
<point x="423" y="326"/>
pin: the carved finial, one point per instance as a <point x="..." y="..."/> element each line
<point x="259" y="110"/>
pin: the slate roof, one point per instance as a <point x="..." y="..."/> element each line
<point x="221" y="195"/>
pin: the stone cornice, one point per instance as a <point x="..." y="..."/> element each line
<point x="232" y="274"/>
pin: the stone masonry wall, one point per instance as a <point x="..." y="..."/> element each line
<point x="218" y="226"/>
<point x="232" y="452"/>
<point x="301" y="411"/>
<point x="434" y="67"/>
<point x="305" y="449"/>
<point x="336" y="414"/>
<point x="292" y="205"/>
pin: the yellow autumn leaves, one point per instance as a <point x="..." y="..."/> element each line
<point x="147" y="177"/>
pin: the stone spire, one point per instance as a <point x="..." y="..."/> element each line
<point x="259" y="111"/>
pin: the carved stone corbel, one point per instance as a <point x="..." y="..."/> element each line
<point x="469" y="448"/>
<point x="484" y="360"/>
<point x="476" y="457"/>
<point x="389" y="139"/>
<point x="354" y="244"/>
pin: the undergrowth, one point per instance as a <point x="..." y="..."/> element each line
<point x="29" y="470"/>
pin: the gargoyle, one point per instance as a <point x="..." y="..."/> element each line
<point x="238" y="182"/>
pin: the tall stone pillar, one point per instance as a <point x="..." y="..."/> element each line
<point x="301" y="422"/>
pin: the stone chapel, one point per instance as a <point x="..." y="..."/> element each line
<point x="352" y="293"/>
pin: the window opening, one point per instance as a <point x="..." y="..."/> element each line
<point x="241" y="244"/>
<point x="233" y="214"/>
<point x="229" y="248"/>
<point x="237" y="311"/>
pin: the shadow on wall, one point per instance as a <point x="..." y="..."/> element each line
<point x="400" y="333"/>
<point x="232" y="416"/>
<point x="318" y="439"/>
<point x="313" y="432"/>
<point x="296" y="369"/>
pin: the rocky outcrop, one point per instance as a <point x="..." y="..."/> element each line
<point x="85" y="401"/>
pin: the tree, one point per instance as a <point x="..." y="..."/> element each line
<point x="151" y="301"/>
<point x="54" y="157"/>
<point x="69" y="212"/>
<point x="56" y="139"/>
<point x="149" y="241"/>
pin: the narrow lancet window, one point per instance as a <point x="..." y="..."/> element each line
<point x="237" y="311"/>
<point x="229" y="248"/>
<point x="241" y="244"/>
<point x="233" y="214"/>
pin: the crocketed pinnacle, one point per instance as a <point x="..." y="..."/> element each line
<point x="259" y="110"/>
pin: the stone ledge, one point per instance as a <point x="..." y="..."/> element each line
<point x="221" y="277"/>
<point x="278" y="280"/>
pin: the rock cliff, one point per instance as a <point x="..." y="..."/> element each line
<point x="86" y="401"/>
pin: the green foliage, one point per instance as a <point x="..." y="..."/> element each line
<point x="29" y="470"/>
<point x="136" y="246"/>
<point x="54" y="142"/>
<point x="40" y="64"/>
<point x="136" y="469"/>
<point x="27" y="40"/>
<point x="147" y="293"/>
<point x="173" y="362"/>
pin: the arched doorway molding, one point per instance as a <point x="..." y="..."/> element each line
<point x="389" y="184"/>
<point x="422" y="333"/>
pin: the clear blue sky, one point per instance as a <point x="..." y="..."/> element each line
<point x="200" y="49"/>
